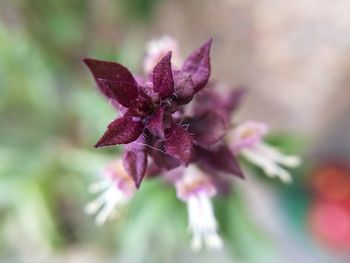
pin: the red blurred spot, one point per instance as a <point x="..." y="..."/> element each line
<point x="332" y="183"/>
<point x="331" y="223"/>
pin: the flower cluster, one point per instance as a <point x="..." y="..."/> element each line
<point x="175" y="124"/>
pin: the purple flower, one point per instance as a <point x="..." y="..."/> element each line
<point x="148" y="107"/>
<point x="175" y="124"/>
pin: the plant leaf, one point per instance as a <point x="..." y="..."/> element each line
<point x="178" y="143"/>
<point x="135" y="160"/>
<point x="110" y="71"/>
<point x="121" y="131"/>
<point x="197" y="65"/>
<point x="163" y="82"/>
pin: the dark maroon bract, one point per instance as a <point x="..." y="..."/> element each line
<point x="155" y="122"/>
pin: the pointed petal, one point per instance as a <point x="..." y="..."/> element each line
<point x="156" y="122"/>
<point x="111" y="71"/>
<point x="184" y="88"/>
<point x="221" y="159"/>
<point x="198" y="65"/>
<point x="163" y="82"/>
<point x="135" y="160"/>
<point x="208" y="128"/>
<point x="178" y="143"/>
<point x="124" y="93"/>
<point x="121" y="131"/>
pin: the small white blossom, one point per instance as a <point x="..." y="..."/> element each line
<point x="247" y="140"/>
<point x="117" y="189"/>
<point x="156" y="49"/>
<point x="196" y="189"/>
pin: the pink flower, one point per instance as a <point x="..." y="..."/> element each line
<point x="247" y="140"/>
<point x="117" y="190"/>
<point x="247" y="135"/>
<point x="156" y="49"/>
<point x="196" y="189"/>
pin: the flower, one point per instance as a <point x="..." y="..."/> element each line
<point x="186" y="144"/>
<point x="196" y="190"/>
<point x="117" y="190"/>
<point x="247" y="140"/>
<point x="148" y="107"/>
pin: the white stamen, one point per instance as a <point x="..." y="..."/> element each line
<point x="196" y="189"/>
<point x="95" y="205"/>
<point x="202" y="223"/>
<point x="274" y="154"/>
<point x="117" y="189"/>
<point x="247" y="139"/>
<point x="98" y="186"/>
<point x="114" y="200"/>
<point x="270" y="167"/>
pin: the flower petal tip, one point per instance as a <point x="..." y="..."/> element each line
<point x="198" y="66"/>
<point x="293" y="161"/>
<point x="86" y="60"/>
<point x="209" y="42"/>
<point x="137" y="184"/>
<point x="97" y="145"/>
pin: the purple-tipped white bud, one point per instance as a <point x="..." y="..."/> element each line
<point x="156" y="49"/>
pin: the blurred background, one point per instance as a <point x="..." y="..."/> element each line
<point x="294" y="56"/>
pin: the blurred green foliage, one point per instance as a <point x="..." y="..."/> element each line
<point x="50" y="117"/>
